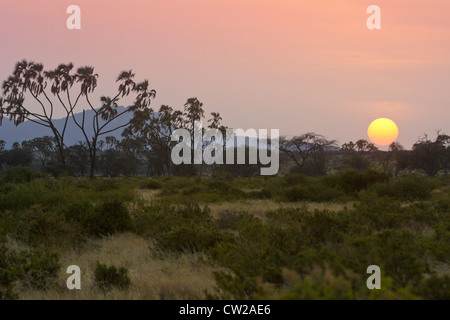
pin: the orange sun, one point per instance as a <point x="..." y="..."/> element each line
<point x="383" y="132"/>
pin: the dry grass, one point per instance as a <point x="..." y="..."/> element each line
<point x="256" y="207"/>
<point x="153" y="275"/>
<point x="147" y="195"/>
<point x="260" y="207"/>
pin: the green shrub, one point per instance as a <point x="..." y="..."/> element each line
<point x="435" y="288"/>
<point x="439" y="243"/>
<point x="324" y="286"/>
<point x="396" y="252"/>
<point x="294" y="179"/>
<point x="442" y="202"/>
<point x="37" y="227"/>
<point x="314" y="192"/>
<point x="229" y="220"/>
<point x="38" y="268"/>
<point x="236" y="287"/>
<point x="35" y="269"/>
<point x="261" y="194"/>
<point x="352" y="181"/>
<point x="8" y="276"/>
<point x="19" y="175"/>
<point x="108" y="217"/>
<point x="104" y="184"/>
<point x="107" y="277"/>
<point x="378" y="212"/>
<point x="151" y="184"/>
<point x="407" y="188"/>
<point x="178" y="228"/>
<point x="192" y="238"/>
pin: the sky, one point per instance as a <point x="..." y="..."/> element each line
<point x="295" y="65"/>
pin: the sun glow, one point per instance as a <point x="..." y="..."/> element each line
<point x="383" y="132"/>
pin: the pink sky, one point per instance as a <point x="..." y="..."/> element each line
<point x="295" y="65"/>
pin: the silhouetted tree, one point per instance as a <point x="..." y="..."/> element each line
<point x="309" y="145"/>
<point x="30" y="79"/>
<point x="150" y="134"/>
<point x="2" y="154"/>
<point x="78" y="156"/>
<point x="63" y="82"/>
<point x="392" y="154"/>
<point x="43" y="148"/>
<point x="193" y="111"/>
<point x="18" y="156"/>
<point x="432" y="156"/>
<point x="215" y="122"/>
<point x="358" y="153"/>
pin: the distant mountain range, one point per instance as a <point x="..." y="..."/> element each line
<point x="29" y="130"/>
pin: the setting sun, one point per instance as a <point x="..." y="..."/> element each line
<point x="383" y="132"/>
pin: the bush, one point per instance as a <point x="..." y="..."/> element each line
<point x="19" y="175"/>
<point x="229" y="220"/>
<point x="261" y="194"/>
<point x="352" y="181"/>
<point x="151" y="184"/>
<point x="192" y="238"/>
<point x="396" y="252"/>
<point x="37" y="227"/>
<point x="315" y="192"/>
<point x="107" y="277"/>
<point x="435" y="288"/>
<point x="179" y="228"/>
<point x="108" y="217"/>
<point x="378" y="212"/>
<point x="36" y="269"/>
<point x="8" y="275"/>
<point x="39" y="268"/>
<point x="407" y="188"/>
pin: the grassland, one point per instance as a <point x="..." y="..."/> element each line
<point x="290" y="237"/>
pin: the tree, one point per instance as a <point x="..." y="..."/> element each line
<point x="309" y="145"/>
<point x="78" y="156"/>
<point x="2" y="154"/>
<point x="150" y="135"/>
<point x="193" y="112"/>
<point x="357" y="153"/>
<point x="393" y="153"/>
<point x="215" y="122"/>
<point x="30" y="79"/>
<point x="111" y="159"/>
<point x="432" y="156"/>
<point x="18" y="156"/>
<point x="43" y="148"/>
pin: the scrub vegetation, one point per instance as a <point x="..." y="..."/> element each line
<point x="219" y="237"/>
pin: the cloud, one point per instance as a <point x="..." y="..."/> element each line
<point x="385" y="109"/>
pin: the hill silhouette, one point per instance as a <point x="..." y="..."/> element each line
<point x="29" y="130"/>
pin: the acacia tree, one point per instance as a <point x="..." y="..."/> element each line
<point x="308" y="145"/>
<point x="358" y="153"/>
<point x="432" y="156"/>
<point x="28" y="84"/>
<point x="393" y="153"/>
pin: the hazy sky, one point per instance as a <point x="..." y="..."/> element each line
<point x="295" y="65"/>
